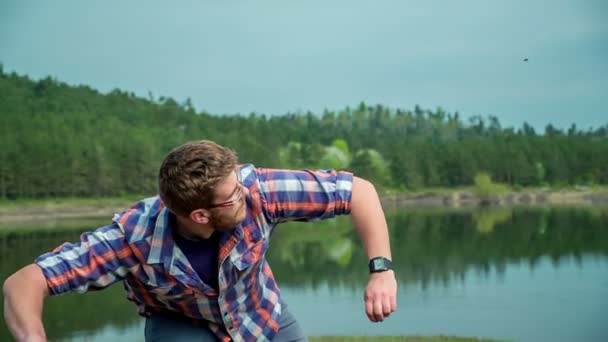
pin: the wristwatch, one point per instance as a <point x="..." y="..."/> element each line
<point x="380" y="264"/>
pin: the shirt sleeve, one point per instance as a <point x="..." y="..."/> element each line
<point x="99" y="259"/>
<point x="305" y="195"/>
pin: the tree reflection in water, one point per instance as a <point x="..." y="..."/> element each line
<point x="429" y="246"/>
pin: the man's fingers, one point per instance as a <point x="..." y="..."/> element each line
<point x="380" y="296"/>
<point x="378" y="310"/>
<point x="386" y="305"/>
<point x="379" y="307"/>
<point x="369" y="309"/>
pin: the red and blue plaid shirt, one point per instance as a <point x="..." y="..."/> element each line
<point x="138" y="249"/>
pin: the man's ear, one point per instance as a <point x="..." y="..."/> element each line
<point x="200" y="216"/>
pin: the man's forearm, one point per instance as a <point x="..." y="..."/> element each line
<point x="381" y="293"/>
<point x="24" y="294"/>
<point x="368" y="218"/>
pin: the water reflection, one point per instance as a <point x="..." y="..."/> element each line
<point x="432" y="249"/>
<point x="440" y="245"/>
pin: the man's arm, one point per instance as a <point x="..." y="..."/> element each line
<point x="99" y="259"/>
<point x="368" y="218"/>
<point x="24" y="293"/>
<point x="307" y="195"/>
<point x="304" y="195"/>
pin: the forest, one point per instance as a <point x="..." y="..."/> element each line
<point x="61" y="140"/>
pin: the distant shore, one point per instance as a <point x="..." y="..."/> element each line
<point x="468" y="198"/>
<point x="39" y="211"/>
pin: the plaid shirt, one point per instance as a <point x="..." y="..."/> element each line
<point x="138" y="249"/>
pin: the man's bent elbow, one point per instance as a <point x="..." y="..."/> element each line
<point x="360" y="184"/>
<point x="30" y="276"/>
<point x="9" y="283"/>
<point x="5" y="287"/>
<point x="24" y="293"/>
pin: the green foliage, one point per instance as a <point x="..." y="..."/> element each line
<point x="334" y="158"/>
<point x="540" y="173"/>
<point x="369" y="164"/>
<point x="342" y="145"/>
<point x="484" y="187"/>
<point x="72" y="141"/>
<point x="486" y="219"/>
<point x="292" y="155"/>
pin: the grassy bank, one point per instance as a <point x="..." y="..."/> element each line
<point x="43" y="211"/>
<point x="492" y="187"/>
<point x="399" y="339"/>
<point x="67" y="202"/>
<point x="74" y="202"/>
<point x="488" y="193"/>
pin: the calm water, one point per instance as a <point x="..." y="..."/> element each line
<point x="521" y="274"/>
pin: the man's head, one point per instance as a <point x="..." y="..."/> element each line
<point x="198" y="180"/>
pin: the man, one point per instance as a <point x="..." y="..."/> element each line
<point x="193" y="258"/>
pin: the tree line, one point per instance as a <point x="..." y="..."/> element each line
<point x="60" y="140"/>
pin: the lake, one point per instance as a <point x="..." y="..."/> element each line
<point x="524" y="274"/>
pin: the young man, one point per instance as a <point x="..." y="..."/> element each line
<point x="193" y="258"/>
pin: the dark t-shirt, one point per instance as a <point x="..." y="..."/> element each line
<point x="202" y="255"/>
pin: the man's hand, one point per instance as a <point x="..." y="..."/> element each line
<point x="381" y="295"/>
<point x="34" y="338"/>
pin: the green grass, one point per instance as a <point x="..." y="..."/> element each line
<point x="439" y="338"/>
<point x="56" y="226"/>
<point x="434" y="191"/>
<point x="574" y="188"/>
<point x="38" y="214"/>
<point x="68" y="201"/>
<point x="7" y="206"/>
<point x="439" y="191"/>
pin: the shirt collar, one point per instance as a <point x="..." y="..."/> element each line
<point x="161" y="245"/>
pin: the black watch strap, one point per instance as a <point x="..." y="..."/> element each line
<point x="380" y="264"/>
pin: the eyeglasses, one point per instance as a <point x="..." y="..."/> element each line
<point x="237" y="196"/>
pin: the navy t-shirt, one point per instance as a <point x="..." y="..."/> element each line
<point x="202" y="255"/>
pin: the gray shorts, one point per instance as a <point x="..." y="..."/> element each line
<point x="164" y="328"/>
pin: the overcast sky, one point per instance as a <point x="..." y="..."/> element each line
<point x="277" y="56"/>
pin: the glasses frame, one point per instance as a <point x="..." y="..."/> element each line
<point x="237" y="199"/>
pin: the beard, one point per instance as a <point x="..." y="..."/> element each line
<point x="227" y="221"/>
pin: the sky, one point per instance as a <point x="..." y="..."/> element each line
<point x="274" y="57"/>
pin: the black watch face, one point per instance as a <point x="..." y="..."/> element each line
<point x="380" y="264"/>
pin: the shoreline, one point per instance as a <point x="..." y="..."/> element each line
<point x="467" y="198"/>
<point x="35" y="211"/>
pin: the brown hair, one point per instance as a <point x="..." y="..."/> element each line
<point x="189" y="174"/>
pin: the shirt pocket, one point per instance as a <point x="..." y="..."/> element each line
<point x="252" y="256"/>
